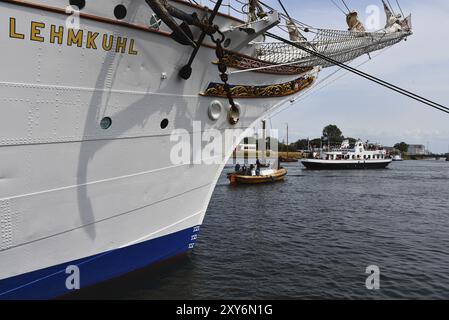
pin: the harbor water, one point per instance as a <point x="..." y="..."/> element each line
<point x="312" y="237"/>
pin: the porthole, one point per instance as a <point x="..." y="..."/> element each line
<point x="155" y="22"/>
<point x="79" y="3"/>
<point x="164" y="123"/>
<point x="120" y="12"/>
<point x="106" y="123"/>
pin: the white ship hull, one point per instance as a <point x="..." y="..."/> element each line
<point x="74" y="194"/>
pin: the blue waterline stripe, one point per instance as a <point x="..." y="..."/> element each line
<point x="139" y="255"/>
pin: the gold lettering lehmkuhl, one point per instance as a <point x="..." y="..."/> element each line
<point x="39" y="32"/>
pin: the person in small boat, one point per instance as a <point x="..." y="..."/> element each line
<point x="258" y="165"/>
<point x="251" y="169"/>
<point x="237" y="167"/>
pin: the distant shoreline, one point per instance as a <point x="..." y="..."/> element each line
<point x="299" y="155"/>
<point x="255" y="155"/>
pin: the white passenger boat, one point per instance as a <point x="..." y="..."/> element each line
<point x="347" y="157"/>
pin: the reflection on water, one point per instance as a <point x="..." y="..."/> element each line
<point x="313" y="236"/>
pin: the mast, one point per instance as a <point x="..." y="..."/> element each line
<point x="287" y="140"/>
<point x="264" y="143"/>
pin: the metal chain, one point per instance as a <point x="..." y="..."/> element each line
<point x="222" y="68"/>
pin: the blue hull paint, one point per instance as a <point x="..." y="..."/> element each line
<point x="50" y="282"/>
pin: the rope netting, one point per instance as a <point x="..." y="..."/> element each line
<point x="342" y="46"/>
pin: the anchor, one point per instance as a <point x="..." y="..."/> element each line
<point x="181" y="33"/>
<point x="186" y="71"/>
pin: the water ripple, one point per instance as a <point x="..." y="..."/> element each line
<point x="313" y="236"/>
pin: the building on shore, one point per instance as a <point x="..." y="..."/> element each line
<point x="417" y="150"/>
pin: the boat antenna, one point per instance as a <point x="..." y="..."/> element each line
<point x="339" y="8"/>
<point x="367" y="76"/>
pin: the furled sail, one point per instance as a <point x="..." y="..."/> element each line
<point x="391" y="18"/>
<point x="294" y="33"/>
<point x="394" y="21"/>
<point x="354" y="23"/>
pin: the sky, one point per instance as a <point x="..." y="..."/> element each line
<point x="362" y="109"/>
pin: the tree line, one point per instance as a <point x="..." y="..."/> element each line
<point x="333" y="136"/>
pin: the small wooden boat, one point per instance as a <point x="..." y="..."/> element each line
<point x="266" y="176"/>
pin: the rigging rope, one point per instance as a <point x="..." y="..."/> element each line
<point x="367" y="76"/>
<point x="308" y="93"/>
<point x="402" y="12"/>
<point x="346" y="5"/>
<point x="285" y="10"/>
<point x="391" y="7"/>
<point x="339" y="8"/>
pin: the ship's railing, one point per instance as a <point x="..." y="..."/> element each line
<point x="234" y="8"/>
<point x="240" y="9"/>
